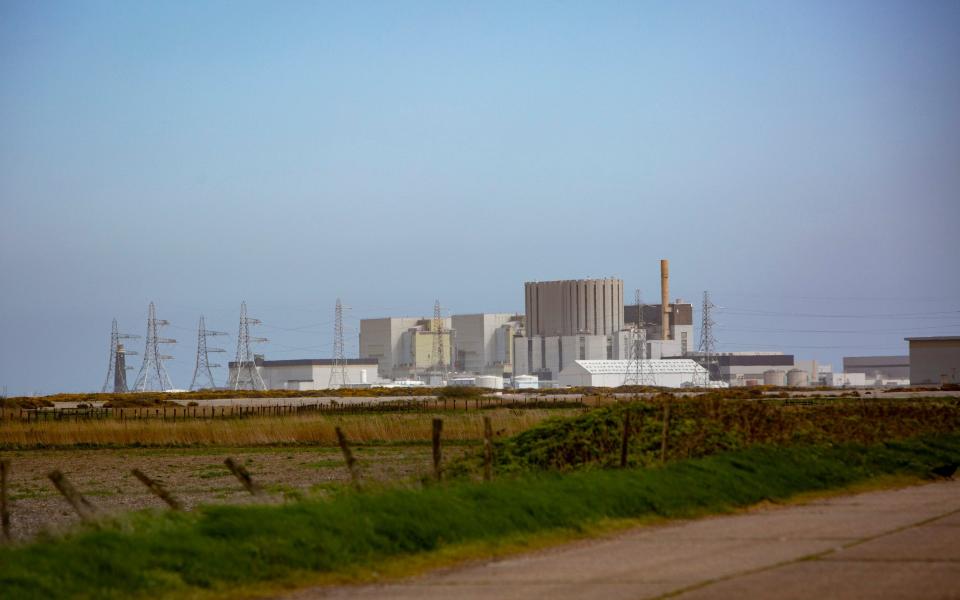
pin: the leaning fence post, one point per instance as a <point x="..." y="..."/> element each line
<point x="487" y="449"/>
<point x="4" y="511"/>
<point x="625" y="442"/>
<point x="437" y="430"/>
<point x="348" y="456"/>
<point x="666" y="431"/>
<point x="76" y="500"/>
<point x="158" y="490"/>
<point x="241" y="473"/>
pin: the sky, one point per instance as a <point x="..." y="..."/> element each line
<point x="799" y="160"/>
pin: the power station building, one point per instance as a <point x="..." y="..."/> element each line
<point x="310" y="373"/>
<point x="934" y="360"/>
<point x="879" y="370"/>
<point x="673" y="373"/>
<point x="405" y="347"/>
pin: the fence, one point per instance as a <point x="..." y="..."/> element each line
<point x="240" y="411"/>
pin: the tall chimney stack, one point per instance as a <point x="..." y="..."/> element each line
<point x="664" y="299"/>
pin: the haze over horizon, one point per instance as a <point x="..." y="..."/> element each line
<point x="799" y="160"/>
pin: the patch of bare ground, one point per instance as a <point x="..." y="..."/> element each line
<point x="194" y="476"/>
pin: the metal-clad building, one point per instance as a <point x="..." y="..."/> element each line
<point x="612" y="373"/>
<point x="934" y="360"/>
<point x="574" y="307"/>
<point x="484" y="341"/>
<point x="310" y="373"/>
<point x="878" y="368"/>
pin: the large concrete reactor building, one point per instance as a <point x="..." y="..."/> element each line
<point x="574" y="307"/>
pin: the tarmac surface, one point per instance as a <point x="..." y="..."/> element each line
<point x="892" y="544"/>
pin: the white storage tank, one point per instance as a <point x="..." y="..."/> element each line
<point x="797" y="378"/>
<point x="526" y="382"/>
<point x="492" y="382"/>
<point x="774" y="377"/>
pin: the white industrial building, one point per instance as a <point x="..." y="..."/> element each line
<point x="311" y="373"/>
<point x="673" y="373"/>
<point x="388" y="340"/>
<point x="483" y="343"/>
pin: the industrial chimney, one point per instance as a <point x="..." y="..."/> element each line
<point x="664" y="299"/>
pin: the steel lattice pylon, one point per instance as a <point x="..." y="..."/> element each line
<point x="440" y="366"/>
<point x="638" y="369"/>
<point x="153" y="376"/>
<point x="707" y="347"/>
<point x="338" y="370"/>
<point x="245" y="375"/>
<point x="202" y="373"/>
<point x="117" y="366"/>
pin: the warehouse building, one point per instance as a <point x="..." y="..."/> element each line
<point x="750" y="368"/>
<point x="310" y="373"/>
<point x="879" y="370"/>
<point x="673" y="373"/>
<point x="934" y="360"/>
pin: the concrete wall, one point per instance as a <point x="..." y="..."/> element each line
<point x="934" y="361"/>
<point x="311" y="376"/>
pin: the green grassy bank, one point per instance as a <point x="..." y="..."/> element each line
<point x="220" y="548"/>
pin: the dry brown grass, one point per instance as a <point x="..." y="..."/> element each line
<point x="256" y="431"/>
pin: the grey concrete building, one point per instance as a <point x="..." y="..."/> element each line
<point x="574" y="307"/>
<point x="680" y="325"/>
<point x="934" y="360"/>
<point x="484" y="342"/>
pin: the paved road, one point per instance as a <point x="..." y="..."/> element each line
<point x="894" y="544"/>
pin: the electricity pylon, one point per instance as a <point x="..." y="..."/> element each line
<point x="202" y="373"/>
<point x="440" y="366"/>
<point x="246" y="376"/>
<point x="117" y="367"/>
<point x="338" y="370"/>
<point x="638" y="369"/>
<point x="707" y="346"/>
<point x="153" y="376"/>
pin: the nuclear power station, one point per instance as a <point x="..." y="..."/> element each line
<point x="573" y="332"/>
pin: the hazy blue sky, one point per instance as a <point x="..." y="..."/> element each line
<point x="797" y="158"/>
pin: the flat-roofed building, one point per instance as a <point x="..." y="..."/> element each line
<point x="310" y="373"/>
<point x="878" y="369"/>
<point x="574" y="307"/>
<point x="672" y="373"/>
<point x="934" y="360"/>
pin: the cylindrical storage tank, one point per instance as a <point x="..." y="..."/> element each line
<point x="797" y="378"/>
<point x="492" y="382"/>
<point x="774" y="377"/>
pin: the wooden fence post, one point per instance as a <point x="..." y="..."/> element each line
<point x="625" y="442"/>
<point x="348" y="456"/>
<point x="437" y="430"/>
<point x="158" y="490"/>
<point x="76" y="500"/>
<point x="666" y="431"/>
<point x="4" y="511"/>
<point x="243" y="476"/>
<point x="487" y="449"/>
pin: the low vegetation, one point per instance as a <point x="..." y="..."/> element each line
<point x="305" y="429"/>
<point x="219" y="550"/>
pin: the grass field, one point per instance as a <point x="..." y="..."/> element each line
<point x="219" y="551"/>
<point x="306" y="429"/>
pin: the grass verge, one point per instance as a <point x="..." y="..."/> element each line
<point x="220" y="550"/>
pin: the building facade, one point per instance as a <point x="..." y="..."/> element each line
<point x="879" y="370"/>
<point x="484" y="342"/>
<point x="574" y="307"/>
<point x="934" y="360"/>
<point x="673" y="373"/>
<point x="310" y="373"/>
